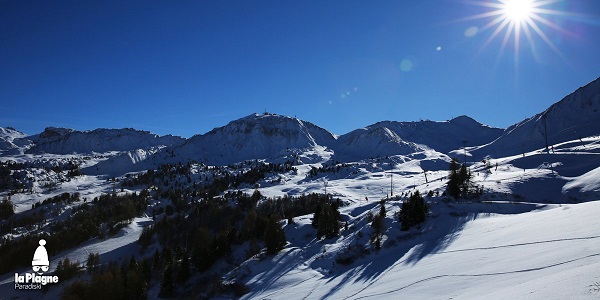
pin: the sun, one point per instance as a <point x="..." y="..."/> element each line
<point x="519" y="20"/>
<point x="517" y="10"/>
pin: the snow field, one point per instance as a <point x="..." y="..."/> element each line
<point x="550" y="252"/>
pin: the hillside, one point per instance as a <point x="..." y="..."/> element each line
<point x="467" y="251"/>
<point x="12" y="141"/>
<point x="67" y="141"/>
<point x="209" y="212"/>
<point x="574" y="117"/>
<point x="254" y="136"/>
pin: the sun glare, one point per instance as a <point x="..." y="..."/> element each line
<point x="512" y="19"/>
<point x="517" y="10"/>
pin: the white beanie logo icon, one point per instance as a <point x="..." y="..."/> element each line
<point x="40" y="262"/>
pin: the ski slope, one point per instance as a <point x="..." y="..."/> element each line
<point x="550" y="252"/>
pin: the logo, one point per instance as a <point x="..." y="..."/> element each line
<point x="39" y="264"/>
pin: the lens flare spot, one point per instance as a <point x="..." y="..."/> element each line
<point x="406" y="65"/>
<point x="471" y="31"/>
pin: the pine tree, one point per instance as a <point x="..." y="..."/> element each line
<point x="167" y="286"/>
<point x="413" y="211"/>
<point x="316" y="215"/>
<point x="202" y="254"/>
<point x="156" y="260"/>
<point x="7" y="208"/>
<point x="184" y="269"/>
<point x="92" y="262"/>
<point x="454" y="181"/>
<point x="167" y="256"/>
<point x="146" y="269"/>
<point x="274" y="235"/>
<point x="253" y="248"/>
<point x="465" y="181"/>
<point x="328" y="225"/>
<point x="382" y="211"/>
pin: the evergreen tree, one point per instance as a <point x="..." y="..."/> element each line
<point x="328" y="225"/>
<point x="316" y="215"/>
<point x="167" y="256"/>
<point x="202" y="254"/>
<point x="146" y="269"/>
<point x="465" y="181"/>
<point x="414" y="211"/>
<point x="167" y="286"/>
<point x="378" y="222"/>
<point x="382" y="211"/>
<point x="253" y="248"/>
<point x="156" y="260"/>
<point x="274" y="235"/>
<point x="184" y="269"/>
<point x="93" y="262"/>
<point x="454" y="182"/>
<point x="7" y="208"/>
<point x="256" y="196"/>
<point x="459" y="182"/>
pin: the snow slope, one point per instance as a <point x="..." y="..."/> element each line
<point x="254" y="136"/>
<point x="468" y="251"/>
<point x="67" y="141"/>
<point x="574" y="117"/>
<point x="535" y="245"/>
<point x="392" y="138"/>
<point x="372" y="142"/>
<point x="12" y="141"/>
<point x="442" y="136"/>
<point x="523" y="240"/>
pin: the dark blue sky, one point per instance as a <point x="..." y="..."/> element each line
<point x="185" y="67"/>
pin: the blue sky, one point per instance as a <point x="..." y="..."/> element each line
<point x="185" y="67"/>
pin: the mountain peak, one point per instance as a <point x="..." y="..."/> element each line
<point x="12" y="141"/>
<point x="267" y="116"/>
<point x="464" y="119"/>
<point x="255" y="136"/>
<point x="51" y="132"/>
<point x="11" y="132"/>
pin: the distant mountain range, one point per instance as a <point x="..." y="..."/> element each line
<point x="271" y="136"/>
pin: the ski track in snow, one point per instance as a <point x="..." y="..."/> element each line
<point x="472" y="275"/>
<point x="522" y="244"/>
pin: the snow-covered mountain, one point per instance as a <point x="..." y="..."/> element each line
<point x="574" y="117"/>
<point x="12" y="141"/>
<point x="67" y="141"/>
<point x="392" y="138"/>
<point x="276" y="137"/>
<point x="444" y="136"/>
<point x="372" y="142"/>
<point x="254" y="136"/>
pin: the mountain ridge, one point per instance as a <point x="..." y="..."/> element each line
<point x="575" y="116"/>
<point x="272" y="136"/>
